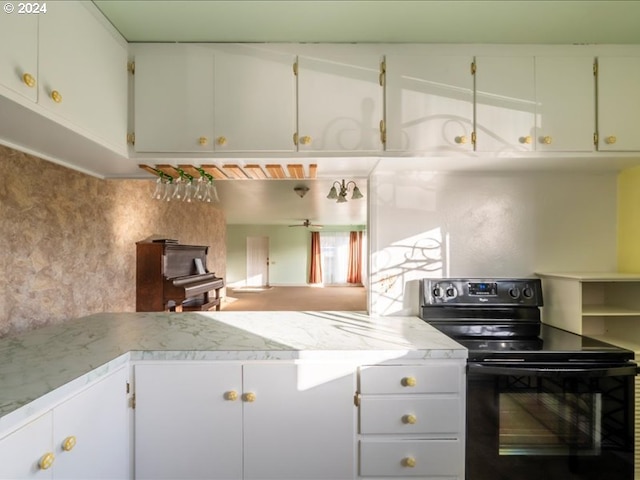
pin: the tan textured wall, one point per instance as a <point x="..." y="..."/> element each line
<point x="67" y="245"/>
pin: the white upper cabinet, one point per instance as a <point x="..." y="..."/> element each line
<point x="565" y="89"/>
<point x="429" y="103"/>
<point x="505" y="104"/>
<point x="200" y="98"/>
<point x="527" y="104"/>
<point x="254" y="99"/>
<point x="173" y="104"/>
<point x="19" y="54"/>
<point x="618" y="103"/>
<point x="70" y="63"/>
<point x="83" y="71"/>
<point x="340" y="103"/>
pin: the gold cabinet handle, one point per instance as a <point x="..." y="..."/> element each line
<point x="409" y="462"/>
<point x="306" y="140"/>
<point x="203" y="141"/>
<point x="29" y="80"/>
<point x="409" y="419"/>
<point x="462" y="139"/>
<point x="610" y="140"/>
<point x="546" y="140"/>
<point x="69" y="443"/>
<point x="221" y="141"/>
<point x="46" y="461"/>
<point x="408" y="382"/>
<point x="526" y="140"/>
<point x="231" y="395"/>
<point x="249" y="397"/>
<point x="56" y="96"/>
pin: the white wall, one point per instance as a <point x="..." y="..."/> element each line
<point x="426" y="224"/>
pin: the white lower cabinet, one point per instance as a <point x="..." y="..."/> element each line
<point x="86" y="437"/>
<point x="411" y="420"/>
<point x="228" y="421"/>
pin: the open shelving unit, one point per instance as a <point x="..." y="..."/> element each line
<point x="601" y="305"/>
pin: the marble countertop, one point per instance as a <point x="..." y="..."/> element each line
<point x="60" y="359"/>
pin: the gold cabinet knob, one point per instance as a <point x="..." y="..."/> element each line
<point x="462" y="139"/>
<point x="249" y="397"/>
<point x="610" y="140"/>
<point x="231" y="395"/>
<point x="69" y="443"/>
<point x="46" y="461"/>
<point x="306" y="140"/>
<point x="56" y="97"/>
<point x="409" y="419"/>
<point x="203" y="141"/>
<point x="526" y="140"/>
<point x="546" y="140"/>
<point x="221" y="141"/>
<point x="29" y="80"/>
<point x="409" y="462"/>
<point x="408" y="382"/>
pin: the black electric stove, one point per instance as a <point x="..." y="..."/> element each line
<point x="499" y="319"/>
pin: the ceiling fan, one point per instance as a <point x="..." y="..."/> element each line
<point x="307" y="223"/>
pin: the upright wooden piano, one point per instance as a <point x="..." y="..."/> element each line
<point x="174" y="277"/>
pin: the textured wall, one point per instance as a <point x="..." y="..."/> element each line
<point x="68" y="240"/>
<point x="430" y="224"/>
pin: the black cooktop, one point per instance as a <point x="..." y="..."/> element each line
<point x="552" y="345"/>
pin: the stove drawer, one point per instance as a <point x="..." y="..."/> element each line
<point x="408" y="415"/>
<point x="381" y="379"/>
<point x="411" y="458"/>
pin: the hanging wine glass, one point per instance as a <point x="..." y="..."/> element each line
<point x="158" y="193"/>
<point x="189" y="189"/>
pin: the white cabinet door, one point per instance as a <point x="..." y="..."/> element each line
<point x="429" y="103"/>
<point x="80" y="60"/>
<point x="618" y="104"/>
<point x="95" y="424"/>
<point x="255" y="95"/>
<point x="21" y="451"/>
<point x="505" y="104"/>
<point x="565" y="106"/>
<point x="186" y="424"/>
<point x="340" y="103"/>
<point x="542" y="104"/>
<point x="19" y="53"/>
<point x="173" y="104"/>
<point x="301" y="424"/>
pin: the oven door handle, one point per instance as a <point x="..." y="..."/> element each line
<point x="539" y="371"/>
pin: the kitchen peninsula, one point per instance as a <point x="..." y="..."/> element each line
<point x="266" y="391"/>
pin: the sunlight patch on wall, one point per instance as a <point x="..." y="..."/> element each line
<point x="403" y="261"/>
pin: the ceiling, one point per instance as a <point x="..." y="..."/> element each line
<point x="384" y="21"/>
<point x="344" y="21"/>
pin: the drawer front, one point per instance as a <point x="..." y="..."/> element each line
<point x="382" y="379"/>
<point x="405" y="414"/>
<point x="411" y="458"/>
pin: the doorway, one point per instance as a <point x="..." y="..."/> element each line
<point x="258" y="261"/>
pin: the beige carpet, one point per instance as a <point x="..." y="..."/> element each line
<point x="297" y="298"/>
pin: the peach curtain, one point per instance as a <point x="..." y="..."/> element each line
<point x="354" y="272"/>
<point x="315" y="269"/>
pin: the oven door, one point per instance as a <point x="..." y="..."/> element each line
<point x="549" y="422"/>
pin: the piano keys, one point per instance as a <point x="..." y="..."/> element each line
<point x="173" y="277"/>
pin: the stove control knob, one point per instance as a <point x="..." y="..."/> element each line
<point x="514" y="292"/>
<point x="527" y="292"/>
<point x="437" y="292"/>
<point x="451" y="292"/>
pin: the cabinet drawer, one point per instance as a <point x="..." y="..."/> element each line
<point x="411" y="458"/>
<point x="410" y="415"/>
<point x="410" y="379"/>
